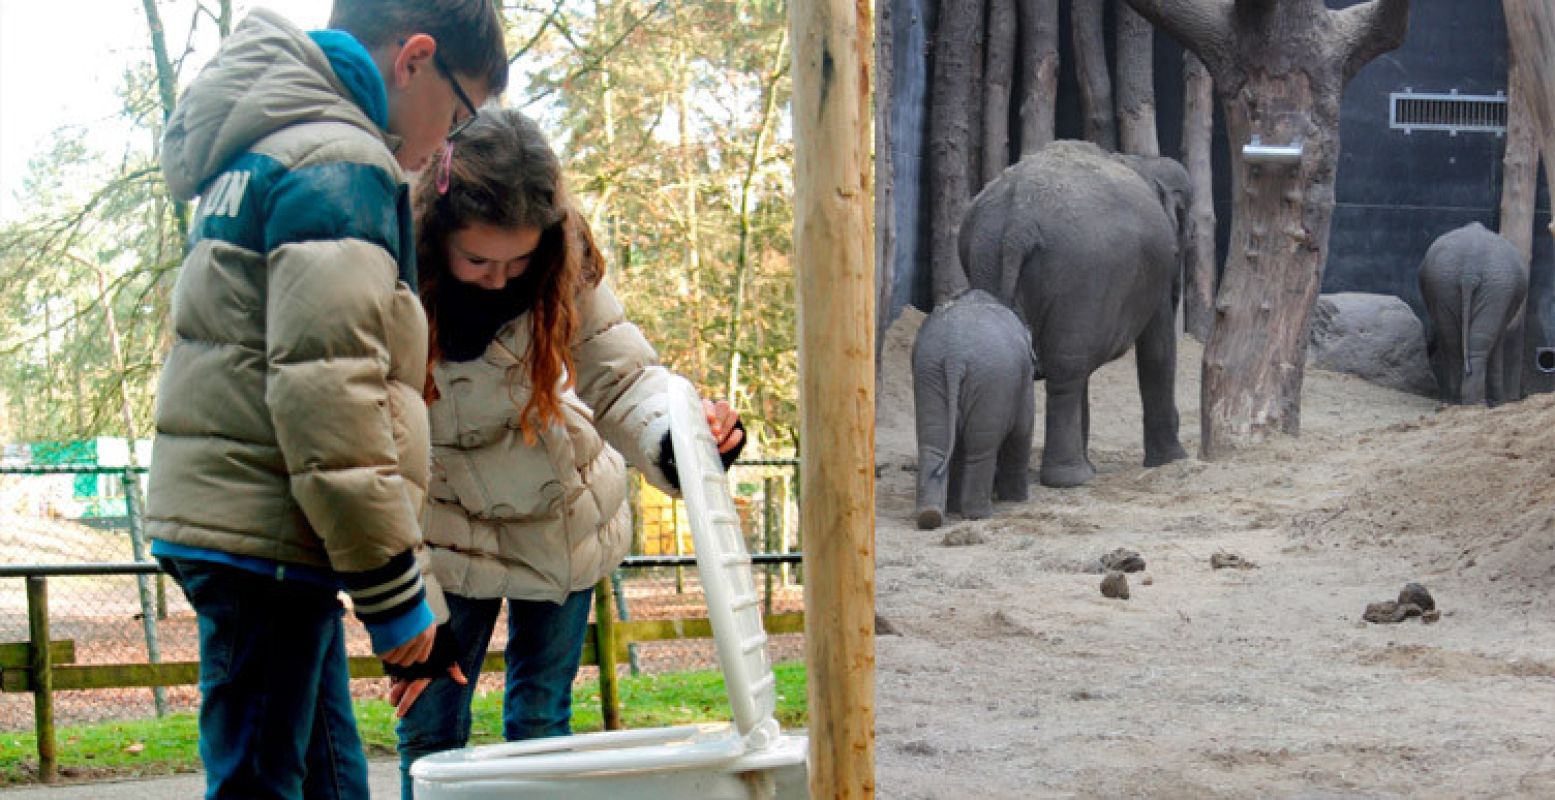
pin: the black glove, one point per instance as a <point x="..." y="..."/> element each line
<point x="667" y="455"/>
<point x="445" y="651"/>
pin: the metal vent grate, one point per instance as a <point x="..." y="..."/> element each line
<point x="1454" y="113"/>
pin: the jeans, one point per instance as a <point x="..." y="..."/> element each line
<point x="275" y="701"/>
<point x="545" y="644"/>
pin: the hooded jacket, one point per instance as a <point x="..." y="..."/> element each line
<point x="540" y="521"/>
<point x="289" y="422"/>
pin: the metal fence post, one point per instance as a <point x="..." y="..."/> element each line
<point x="768" y="487"/>
<point x="41" y="662"/>
<point x="148" y="604"/>
<point x="605" y="655"/>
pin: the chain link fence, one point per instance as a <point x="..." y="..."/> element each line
<point x="64" y="515"/>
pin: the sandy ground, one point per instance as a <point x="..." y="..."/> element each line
<point x="1011" y="676"/>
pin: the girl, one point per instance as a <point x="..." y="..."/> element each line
<point x="538" y="387"/>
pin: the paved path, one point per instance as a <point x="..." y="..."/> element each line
<point x="383" y="776"/>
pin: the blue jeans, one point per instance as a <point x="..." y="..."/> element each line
<point x="545" y="644"/>
<point x="275" y="700"/>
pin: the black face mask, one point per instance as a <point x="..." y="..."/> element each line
<point x="468" y="317"/>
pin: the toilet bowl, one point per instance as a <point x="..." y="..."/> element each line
<point x="748" y="758"/>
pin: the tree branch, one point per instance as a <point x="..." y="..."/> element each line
<point x="1203" y="26"/>
<point x="1369" y="30"/>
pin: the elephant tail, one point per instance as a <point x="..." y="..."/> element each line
<point x="1020" y="236"/>
<point x="1466" y="287"/>
<point x="955" y="375"/>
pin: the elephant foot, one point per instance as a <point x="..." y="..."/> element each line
<point x="978" y="511"/>
<point x="1067" y="476"/>
<point x="1013" y="494"/>
<point x="1157" y="456"/>
<point x="930" y="518"/>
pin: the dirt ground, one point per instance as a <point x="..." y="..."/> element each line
<point x="1011" y="676"/>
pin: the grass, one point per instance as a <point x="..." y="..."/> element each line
<point x="140" y="748"/>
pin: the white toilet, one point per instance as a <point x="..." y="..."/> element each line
<point x="748" y="759"/>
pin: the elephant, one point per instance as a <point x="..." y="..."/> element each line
<point x="973" y="396"/>
<point x="1089" y="249"/>
<point x="1474" y="284"/>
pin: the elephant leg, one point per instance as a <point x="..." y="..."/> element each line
<point x="934" y="435"/>
<point x="1512" y="346"/>
<point x="1495" y="374"/>
<point x="1010" y="479"/>
<point x="979" y="466"/>
<point x="1064" y="462"/>
<point x="957" y="475"/>
<point x="1155" y="361"/>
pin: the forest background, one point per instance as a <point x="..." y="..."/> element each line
<point x="672" y="120"/>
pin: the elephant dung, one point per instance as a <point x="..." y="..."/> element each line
<point x="1122" y="560"/>
<point x="1414" y="593"/>
<point x="1390" y="611"/>
<point x="1115" y="585"/>
<point x="1222" y="560"/>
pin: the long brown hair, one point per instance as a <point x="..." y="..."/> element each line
<point x="504" y="174"/>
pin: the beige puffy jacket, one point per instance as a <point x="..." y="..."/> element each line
<point x="506" y="519"/>
<point x="289" y="419"/>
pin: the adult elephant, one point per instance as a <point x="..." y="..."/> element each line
<point x="1473" y="283"/>
<point x="1088" y="248"/>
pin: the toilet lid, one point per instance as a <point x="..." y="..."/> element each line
<point x="724" y="565"/>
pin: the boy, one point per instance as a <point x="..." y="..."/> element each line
<point x="291" y="453"/>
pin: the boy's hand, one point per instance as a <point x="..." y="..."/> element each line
<point x="404" y="693"/>
<point x="414" y="651"/>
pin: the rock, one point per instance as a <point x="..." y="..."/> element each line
<point x="1115" y="585"/>
<point x="1123" y="560"/>
<point x="1374" y="336"/>
<point x="962" y="537"/>
<point x="1223" y="560"/>
<point x="1417" y="594"/>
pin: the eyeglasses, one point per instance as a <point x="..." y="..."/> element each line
<point x="459" y="125"/>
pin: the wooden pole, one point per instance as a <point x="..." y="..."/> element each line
<point x="605" y="655"/>
<point x="833" y="247"/>
<point x="42" y="675"/>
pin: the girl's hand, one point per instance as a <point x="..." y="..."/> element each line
<point x="721" y="417"/>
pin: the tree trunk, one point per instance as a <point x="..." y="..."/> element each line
<point x="885" y="179"/>
<point x="1280" y="69"/>
<point x="974" y="97"/>
<point x="950" y="136"/>
<point x="1136" y="83"/>
<point x="1090" y="54"/>
<point x="998" y="77"/>
<point x="1519" y="181"/>
<point x="1039" y="72"/>
<point x="1531" y="33"/>
<point x="1197" y="133"/>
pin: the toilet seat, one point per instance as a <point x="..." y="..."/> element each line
<point x="749" y="757"/>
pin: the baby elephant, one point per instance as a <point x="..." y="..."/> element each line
<point x="972" y="386"/>
<point x="1474" y="283"/>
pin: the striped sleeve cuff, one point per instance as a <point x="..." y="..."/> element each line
<point x="389" y="634"/>
<point x="388" y="593"/>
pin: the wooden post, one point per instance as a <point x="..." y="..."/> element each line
<point x="605" y="655"/>
<point x="833" y="250"/>
<point x="42" y="675"/>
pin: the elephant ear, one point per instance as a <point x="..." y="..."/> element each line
<point x="1174" y="192"/>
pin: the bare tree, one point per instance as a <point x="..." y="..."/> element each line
<point x="1531" y="30"/>
<point x="1090" y="55"/>
<point x="1198" y="121"/>
<point x="1280" y="68"/>
<point x="1039" y="72"/>
<point x="950" y="138"/>
<point x="1519" y="179"/>
<point x="998" y="76"/>
<point x="1136" y="83"/>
